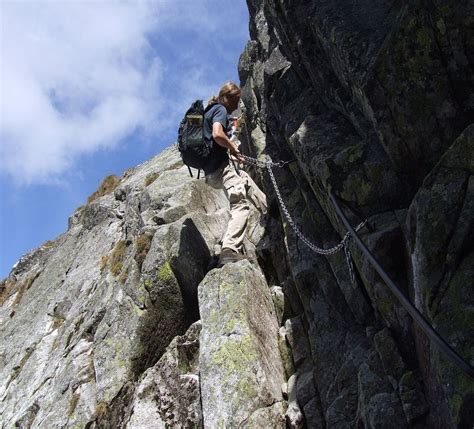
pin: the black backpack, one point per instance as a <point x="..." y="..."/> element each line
<point x="195" y="149"/>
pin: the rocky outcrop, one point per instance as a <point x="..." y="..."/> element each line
<point x="168" y="394"/>
<point x="122" y="322"/>
<point x="100" y="328"/>
<point x="85" y="315"/>
<point x="240" y="365"/>
<point x="372" y="102"/>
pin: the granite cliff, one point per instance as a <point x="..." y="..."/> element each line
<point x="374" y="101"/>
<point x="120" y="322"/>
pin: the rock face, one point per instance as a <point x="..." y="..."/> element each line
<point x="374" y="103"/>
<point x="100" y="328"/>
<point x="168" y="394"/>
<point x="241" y="369"/>
<point x="122" y="322"/>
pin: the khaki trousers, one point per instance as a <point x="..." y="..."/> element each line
<point x="240" y="191"/>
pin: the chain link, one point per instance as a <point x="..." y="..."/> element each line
<point x="300" y="235"/>
<point x="263" y="164"/>
<point x="343" y="244"/>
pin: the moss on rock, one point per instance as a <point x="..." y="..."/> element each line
<point x="73" y="403"/>
<point x="235" y="354"/>
<point x="107" y="186"/>
<point x="151" y="178"/>
<point x="117" y="258"/>
<point x="165" y="273"/>
<point x="142" y="245"/>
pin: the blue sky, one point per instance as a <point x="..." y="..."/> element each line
<point x="92" y="88"/>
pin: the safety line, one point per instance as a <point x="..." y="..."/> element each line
<point x="426" y="327"/>
<point x="448" y="351"/>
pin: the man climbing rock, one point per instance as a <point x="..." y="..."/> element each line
<point x="221" y="172"/>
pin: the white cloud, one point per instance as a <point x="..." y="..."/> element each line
<point x="81" y="76"/>
<point x="75" y="77"/>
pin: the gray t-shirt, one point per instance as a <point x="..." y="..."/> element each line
<point x="216" y="113"/>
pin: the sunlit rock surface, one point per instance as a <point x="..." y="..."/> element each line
<point x="123" y="321"/>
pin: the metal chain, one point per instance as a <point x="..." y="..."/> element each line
<point x="263" y="164"/>
<point x="344" y="243"/>
<point x="312" y="246"/>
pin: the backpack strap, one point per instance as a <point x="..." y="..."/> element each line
<point x="210" y="106"/>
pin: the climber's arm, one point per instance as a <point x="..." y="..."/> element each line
<point x="221" y="139"/>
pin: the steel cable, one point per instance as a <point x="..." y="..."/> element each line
<point x="432" y="334"/>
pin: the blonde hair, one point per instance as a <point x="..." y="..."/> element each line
<point x="227" y="92"/>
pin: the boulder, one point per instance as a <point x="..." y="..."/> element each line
<point x="240" y="365"/>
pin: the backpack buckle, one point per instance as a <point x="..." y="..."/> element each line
<point x="194" y="120"/>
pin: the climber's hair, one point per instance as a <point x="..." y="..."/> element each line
<point x="228" y="92"/>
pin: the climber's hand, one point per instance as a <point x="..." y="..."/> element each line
<point x="236" y="155"/>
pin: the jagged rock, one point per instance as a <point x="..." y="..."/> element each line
<point x="272" y="416"/>
<point x="285" y="352"/>
<point x="279" y="301"/>
<point x="296" y="337"/>
<point x="83" y="316"/>
<point x="378" y="407"/>
<point x="294" y="416"/>
<point x="312" y="412"/>
<point x="305" y="389"/>
<point x="370" y="101"/>
<point x="240" y="366"/>
<point x="168" y="394"/>
<point x="367" y="99"/>
<point x="389" y="354"/>
<point x="441" y="234"/>
<point x="413" y="400"/>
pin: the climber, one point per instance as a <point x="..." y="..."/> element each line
<point x="221" y="172"/>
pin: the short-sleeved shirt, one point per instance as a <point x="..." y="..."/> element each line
<point x="216" y="113"/>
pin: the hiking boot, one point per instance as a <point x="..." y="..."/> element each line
<point x="229" y="255"/>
